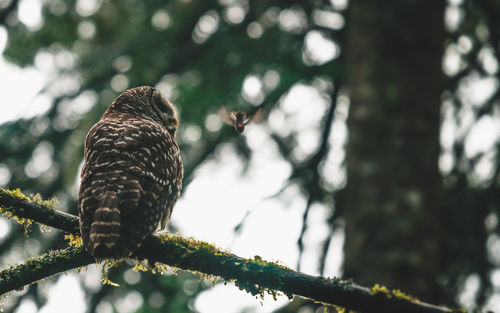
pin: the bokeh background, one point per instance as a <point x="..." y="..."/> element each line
<point x="377" y="159"/>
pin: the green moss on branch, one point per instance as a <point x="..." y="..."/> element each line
<point x="254" y="275"/>
<point x="15" y="203"/>
<point x="46" y="265"/>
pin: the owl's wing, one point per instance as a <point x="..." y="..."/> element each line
<point x="157" y="160"/>
<point x="227" y="117"/>
<point x="139" y="161"/>
<point x="159" y="153"/>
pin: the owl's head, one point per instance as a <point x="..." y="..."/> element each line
<point x="146" y="102"/>
<point x="166" y="111"/>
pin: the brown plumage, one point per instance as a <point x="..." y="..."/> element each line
<point x="132" y="173"/>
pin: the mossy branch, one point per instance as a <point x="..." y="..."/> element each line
<point x="254" y="275"/>
<point x="13" y="202"/>
<point x="43" y="266"/>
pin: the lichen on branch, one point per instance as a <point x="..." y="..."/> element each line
<point x="14" y="203"/>
<point x="43" y="266"/>
<point x="253" y="275"/>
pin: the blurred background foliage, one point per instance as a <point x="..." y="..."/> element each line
<point x="403" y="155"/>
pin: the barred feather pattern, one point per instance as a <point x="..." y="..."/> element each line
<point x="132" y="174"/>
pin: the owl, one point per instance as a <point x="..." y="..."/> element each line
<point x="132" y="173"/>
<point x="240" y="119"/>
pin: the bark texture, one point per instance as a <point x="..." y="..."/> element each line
<point x="394" y="195"/>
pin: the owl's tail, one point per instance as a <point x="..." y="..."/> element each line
<point x="105" y="228"/>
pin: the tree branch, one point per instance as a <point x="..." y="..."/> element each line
<point x="21" y="206"/>
<point x="34" y="269"/>
<point x="254" y="275"/>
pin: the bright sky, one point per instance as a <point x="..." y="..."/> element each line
<point x="214" y="203"/>
<point x="20" y="87"/>
<point x="219" y="196"/>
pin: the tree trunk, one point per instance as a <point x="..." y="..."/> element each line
<point x="394" y="196"/>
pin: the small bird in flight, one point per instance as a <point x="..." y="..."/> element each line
<point x="239" y="119"/>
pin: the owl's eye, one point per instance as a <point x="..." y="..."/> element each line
<point x="173" y="121"/>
